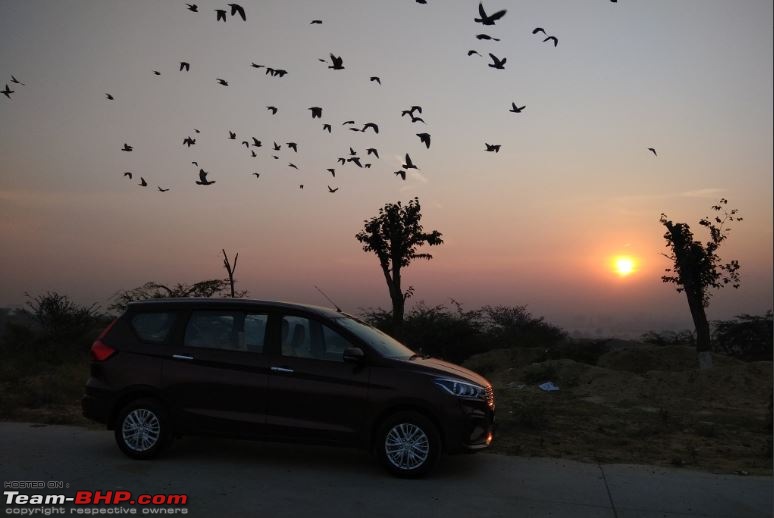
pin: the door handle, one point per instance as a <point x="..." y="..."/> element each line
<point x="283" y="370"/>
<point x="182" y="357"/>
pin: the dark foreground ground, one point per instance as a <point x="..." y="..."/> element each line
<point x="237" y="478"/>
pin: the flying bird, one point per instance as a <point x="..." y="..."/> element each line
<point x="316" y="112"/>
<point x="110" y="97"/>
<point x="330" y="190"/>
<point x="257" y="175"/>
<point x="488" y="19"/>
<point x="156" y="72"/>
<point x="14" y="80"/>
<point x="409" y="164"/>
<point x="246" y="144"/>
<point x="185" y="65"/>
<point x="401" y="173"/>
<point x="128" y="174"/>
<point x="238" y="9"/>
<point x="355" y="160"/>
<point x="471" y="52"/>
<point x="196" y="130"/>
<point x="222" y="81"/>
<point x="142" y="183"/>
<point x="126" y="147"/>
<point x="294" y="166"/>
<point x="371" y="125"/>
<point x="193" y="8"/>
<point x="424" y="138"/>
<point x="253" y="154"/>
<point x="332" y="171"/>
<point x="232" y="135"/>
<point x="376" y="79"/>
<point x="256" y="66"/>
<point x="272" y="109"/>
<point x="327" y="127"/>
<point x="539" y="29"/>
<point x="292" y="145"/>
<point x="653" y="150"/>
<point x="203" y="178"/>
<point x="347" y="122"/>
<point x="492" y="147"/>
<point x="277" y="147"/>
<point x="552" y="38"/>
<point x="423" y="2"/>
<point x="256" y="142"/>
<point x="188" y="141"/>
<point x="486" y="37"/>
<point x="352" y="151"/>
<point x="301" y="186"/>
<point x="341" y="160"/>
<point x="516" y="109"/>
<point x="372" y="151"/>
<point x="315" y="22"/>
<point x="221" y="14"/>
<point x="497" y="62"/>
<point x="195" y="163"/>
<point x="417" y="119"/>
<point x="162" y="190"/>
<point x="337" y="63"/>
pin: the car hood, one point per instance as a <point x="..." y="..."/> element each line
<point x="440" y="367"/>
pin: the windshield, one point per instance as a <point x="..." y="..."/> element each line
<point x="381" y="342"/>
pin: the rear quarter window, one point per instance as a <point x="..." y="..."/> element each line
<point x="153" y="327"/>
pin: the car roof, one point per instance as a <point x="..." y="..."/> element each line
<point x="213" y="303"/>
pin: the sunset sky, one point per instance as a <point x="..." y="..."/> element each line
<point x="539" y="224"/>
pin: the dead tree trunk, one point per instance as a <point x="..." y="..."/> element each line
<point x="230" y="268"/>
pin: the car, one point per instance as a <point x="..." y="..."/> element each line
<point x="278" y="371"/>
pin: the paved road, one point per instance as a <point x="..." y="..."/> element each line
<point x="240" y="478"/>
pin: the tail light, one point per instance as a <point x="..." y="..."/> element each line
<point x="99" y="351"/>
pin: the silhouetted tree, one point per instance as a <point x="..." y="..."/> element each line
<point x="154" y="290"/>
<point x="697" y="268"/>
<point x="394" y="236"/>
<point x="230" y="268"/>
<point x="59" y="317"/>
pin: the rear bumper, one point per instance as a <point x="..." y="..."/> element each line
<point x="96" y="405"/>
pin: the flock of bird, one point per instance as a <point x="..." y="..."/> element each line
<point x="335" y="63"/>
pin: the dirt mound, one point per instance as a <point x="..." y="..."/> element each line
<point x="643" y="358"/>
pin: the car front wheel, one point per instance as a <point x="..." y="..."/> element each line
<point x="409" y="444"/>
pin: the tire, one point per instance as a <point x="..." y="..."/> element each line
<point x="150" y="421"/>
<point x="408" y="444"/>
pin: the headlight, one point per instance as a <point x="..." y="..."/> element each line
<point x="461" y="388"/>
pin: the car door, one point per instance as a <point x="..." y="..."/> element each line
<point x="216" y="376"/>
<point x="314" y="394"/>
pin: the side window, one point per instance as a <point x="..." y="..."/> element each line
<point x="334" y="344"/>
<point x="215" y="330"/>
<point x="305" y="338"/>
<point x="153" y="327"/>
<point x="255" y="332"/>
<point x="296" y="337"/>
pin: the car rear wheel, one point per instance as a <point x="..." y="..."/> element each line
<point x="142" y="429"/>
<point x="408" y="444"/>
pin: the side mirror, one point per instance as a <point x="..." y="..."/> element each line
<point x="353" y="354"/>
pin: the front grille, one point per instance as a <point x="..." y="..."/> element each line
<point x="490" y="397"/>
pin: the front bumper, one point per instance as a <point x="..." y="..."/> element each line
<point x="470" y="427"/>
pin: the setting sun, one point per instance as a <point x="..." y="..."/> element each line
<point x="623" y="265"/>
